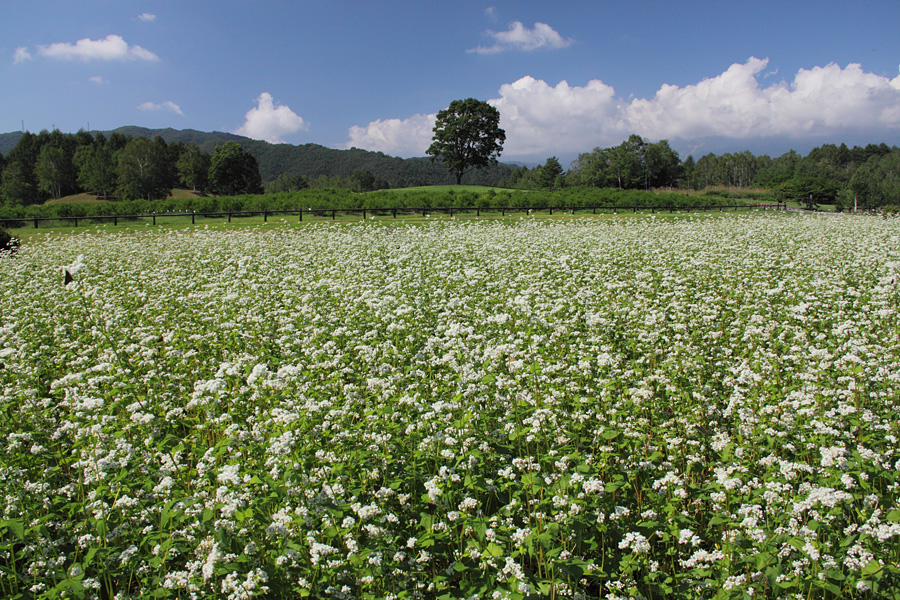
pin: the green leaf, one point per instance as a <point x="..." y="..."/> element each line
<point x="615" y="485"/>
<point x="894" y="516"/>
<point x="796" y="543"/>
<point x="16" y="527"/>
<point x="871" y="569"/>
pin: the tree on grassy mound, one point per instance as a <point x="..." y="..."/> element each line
<point x="467" y="136"/>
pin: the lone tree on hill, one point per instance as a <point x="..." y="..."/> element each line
<point x="467" y="136"/>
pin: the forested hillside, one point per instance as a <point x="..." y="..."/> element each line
<point x="316" y="164"/>
<point x="136" y="163"/>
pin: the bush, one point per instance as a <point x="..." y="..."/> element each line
<point x="7" y="241"/>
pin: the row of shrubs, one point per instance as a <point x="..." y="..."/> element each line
<point x="343" y="199"/>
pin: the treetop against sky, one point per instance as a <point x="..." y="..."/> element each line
<point x="709" y="76"/>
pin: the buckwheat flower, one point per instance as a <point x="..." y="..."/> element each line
<point x="686" y="536"/>
<point x="209" y="564"/>
<point x="432" y="489"/>
<point x="734" y="581"/>
<point x="636" y="542"/>
<point x="76" y="266"/>
<point x="127" y="553"/>
<point x="468" y="504"/>
<point x="229" y="474"/>
<point x="593" y="486"/>
<point x="411" y="542"/>
<point x="619" y="512"/>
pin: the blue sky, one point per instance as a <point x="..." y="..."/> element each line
<point x="567" y="76"/>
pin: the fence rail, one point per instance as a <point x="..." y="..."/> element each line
<point x="365" y="212"/>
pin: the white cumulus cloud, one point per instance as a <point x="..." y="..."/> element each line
<point x="519" y="37"/>
<point x="538" y="117"/>
<point x="112" y="47"/>
<point x="403" y="137"/>
<point x="819" y="101"/>
<point x="147" y="17"/>
<point x="21" y="55"/>
<point x="167" y="105"/>
<point x="270" y="122"/>
<point x="544" y="119"/>
<point x="97" y="79"/>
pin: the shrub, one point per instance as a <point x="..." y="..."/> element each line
<point x="7" y="241"/>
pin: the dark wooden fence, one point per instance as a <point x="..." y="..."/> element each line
<point x="366" y="212"/>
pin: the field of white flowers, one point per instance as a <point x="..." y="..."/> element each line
<point x="697" y="408"/>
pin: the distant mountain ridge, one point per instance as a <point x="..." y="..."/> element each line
<point x="310" y="160"/>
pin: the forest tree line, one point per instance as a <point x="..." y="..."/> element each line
<point x="862" y="177"/>
<point x="53" y="165"/>
<point x="135" y="167"/>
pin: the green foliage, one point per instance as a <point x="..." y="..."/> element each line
<point x="193" y="167"/>
<point x="634" y="164"/>
<point x="809" y="191"/>
<point x="141" y="171"/>
<point x="54" y="171"/>
<point x="16" y="187"/>
<point x="233" y="171"/>
<point x="287" y="182"/>
<point x="96" y="169"/>
<point x="5" y="239"/>
<point x="458" y="410"/>
<point x="877" y="182"/>
<point x="467" y="136"/>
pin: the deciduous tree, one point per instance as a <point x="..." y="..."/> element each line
<point x="233" y="171"/>
<point x="467" y="136"/>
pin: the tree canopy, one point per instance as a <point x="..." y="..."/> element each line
<point x="467" y="136"/>
<point x="233" y="171"/>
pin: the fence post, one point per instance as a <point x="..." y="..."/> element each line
<point x="300" y="212"/>
<point x="395" y="213"/>
<point x="332" y="214"/>
<point x="551" y="211"/>
<point x="503" y="212"/>
<point x="451" y="211"/>
<point x="364" y="214"/>
<point x="116" y="220"/>
<point x="154" y="218"/>
<point x="478" y="211"/>
<point x="193" y="213"/>
<point x="76" y="221"/>
<point x="229" y="216"/>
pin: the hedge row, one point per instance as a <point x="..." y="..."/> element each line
<point x="343" y="199"/>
